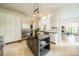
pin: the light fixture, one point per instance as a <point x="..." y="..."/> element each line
<point x="36" y="9"/>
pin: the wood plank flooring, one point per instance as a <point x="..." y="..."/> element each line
<point x="21" y="49"/>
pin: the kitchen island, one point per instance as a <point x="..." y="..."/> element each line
<point x="39" y="45"/>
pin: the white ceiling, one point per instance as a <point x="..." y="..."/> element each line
<point x="27" y="8"/>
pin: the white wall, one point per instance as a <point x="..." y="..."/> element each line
<point x="65" y="15"/>
<point x="10" y="26"/>
<point x="69" y="15"/>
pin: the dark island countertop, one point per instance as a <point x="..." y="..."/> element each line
<point x="43" y="36"/>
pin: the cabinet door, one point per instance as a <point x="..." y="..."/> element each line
<point x="18" y="28"/>
<point x="9" y="28"/>
<point x="52" y="38"/>
<point x="12" y="28"/>
<point x="55" y="21"/>
<point x="2" y="23"/>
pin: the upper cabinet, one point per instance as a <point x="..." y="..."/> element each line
<point x="54" y="21"/>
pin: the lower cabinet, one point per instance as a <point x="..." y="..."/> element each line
<point x="40" y="45"/>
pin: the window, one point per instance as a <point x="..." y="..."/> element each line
<point x="71" y="27"/>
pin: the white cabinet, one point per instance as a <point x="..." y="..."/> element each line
<point x="2" y="23"/>
<point x="52" y="38"/>
<point x="56" y="22"/>
<point x="53" y="21"/>
<point x="10" y="27"/>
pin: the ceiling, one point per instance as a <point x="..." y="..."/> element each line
<point x="27" y="8"/>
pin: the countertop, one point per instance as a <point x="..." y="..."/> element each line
<point x="49" y="31"/>
<point x="43" y="36"/>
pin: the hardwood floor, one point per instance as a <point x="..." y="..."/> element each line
<point x="65" y="50"/>
<point x="17" y="49"/>
<point x="21" y="49"/>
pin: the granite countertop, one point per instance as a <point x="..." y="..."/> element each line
<point x="49" y="31"/>
<point x="43" y="36"/>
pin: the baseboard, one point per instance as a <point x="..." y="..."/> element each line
<point x="14" y="41"/>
